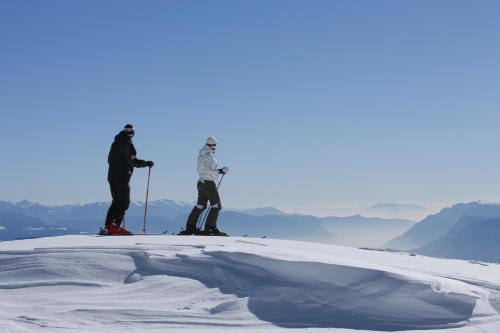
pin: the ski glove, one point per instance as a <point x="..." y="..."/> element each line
<point x="224" y="170"/>
<point x="149" y="164"/>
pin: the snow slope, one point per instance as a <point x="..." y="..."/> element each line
<point x="215" y="284"/>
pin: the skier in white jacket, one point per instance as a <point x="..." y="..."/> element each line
<point x="207" y="192"/>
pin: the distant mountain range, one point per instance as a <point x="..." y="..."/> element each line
<point x="27" y="219"/>
<point x="468" y="231"/>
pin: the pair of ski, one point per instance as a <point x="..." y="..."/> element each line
<point x="103" y="232"/>
<point x="203" y="233"/>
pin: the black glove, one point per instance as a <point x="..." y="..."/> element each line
<point x="149" y="164"/>
<point x="223" y="170"/>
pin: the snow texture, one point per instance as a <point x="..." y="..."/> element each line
<point x="216" y="284"/>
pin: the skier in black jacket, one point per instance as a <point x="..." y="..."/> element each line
<point x="122" y="160"/>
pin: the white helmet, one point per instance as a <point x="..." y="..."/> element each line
<point x="211" y="141"/>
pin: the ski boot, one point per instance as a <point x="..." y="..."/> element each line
<point x="190" y="231"/>
<point x="114" y="229"/>
<point x="213" y="231"/>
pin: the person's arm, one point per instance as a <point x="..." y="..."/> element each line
<point x="210" y="161"/>
<point x="134" y="161"/>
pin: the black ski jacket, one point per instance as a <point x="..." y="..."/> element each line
<point x="122" y="159"/>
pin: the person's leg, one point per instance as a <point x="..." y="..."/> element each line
<point x="122" y="202"/>
<point x="112" y="207"/>
<point x="201" y="204"/>
<point x="215" y="205"/>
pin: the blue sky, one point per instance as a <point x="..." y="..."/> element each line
<point x="316" y="104"/>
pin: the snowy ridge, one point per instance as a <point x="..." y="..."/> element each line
<point x="209" y="284"/>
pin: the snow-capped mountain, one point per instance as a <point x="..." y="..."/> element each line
<point x="55" y="214"/>
<point x="435" y="226"/>
<point x="163" y="208"/>
<point x="229" y="284"/>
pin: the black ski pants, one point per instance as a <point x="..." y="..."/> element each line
<point x="207" y="191"/>
<point x="120" y="192"/>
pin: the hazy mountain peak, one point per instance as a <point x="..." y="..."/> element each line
<point x="435" y="226"/>
<point x="26" y="204"/>
<point x="471" y="238"/>
<point x="260" y="211"/>
<point x="396" y="207"/>
<point x="397" y="210"/>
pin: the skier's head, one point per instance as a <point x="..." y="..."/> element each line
<point x="129" y="130"/>
<point x="212" y="142"/>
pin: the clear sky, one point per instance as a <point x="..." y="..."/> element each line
<point x="316" y="104"/>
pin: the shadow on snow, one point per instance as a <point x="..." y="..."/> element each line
<point x="295" y="294"/>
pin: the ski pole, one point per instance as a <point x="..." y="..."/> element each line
<point x="202" y="221"/>
<point x="220" y="181"/>
<point x="146" y="204"/>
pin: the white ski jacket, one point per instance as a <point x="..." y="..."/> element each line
<point x="207" y="164"/>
